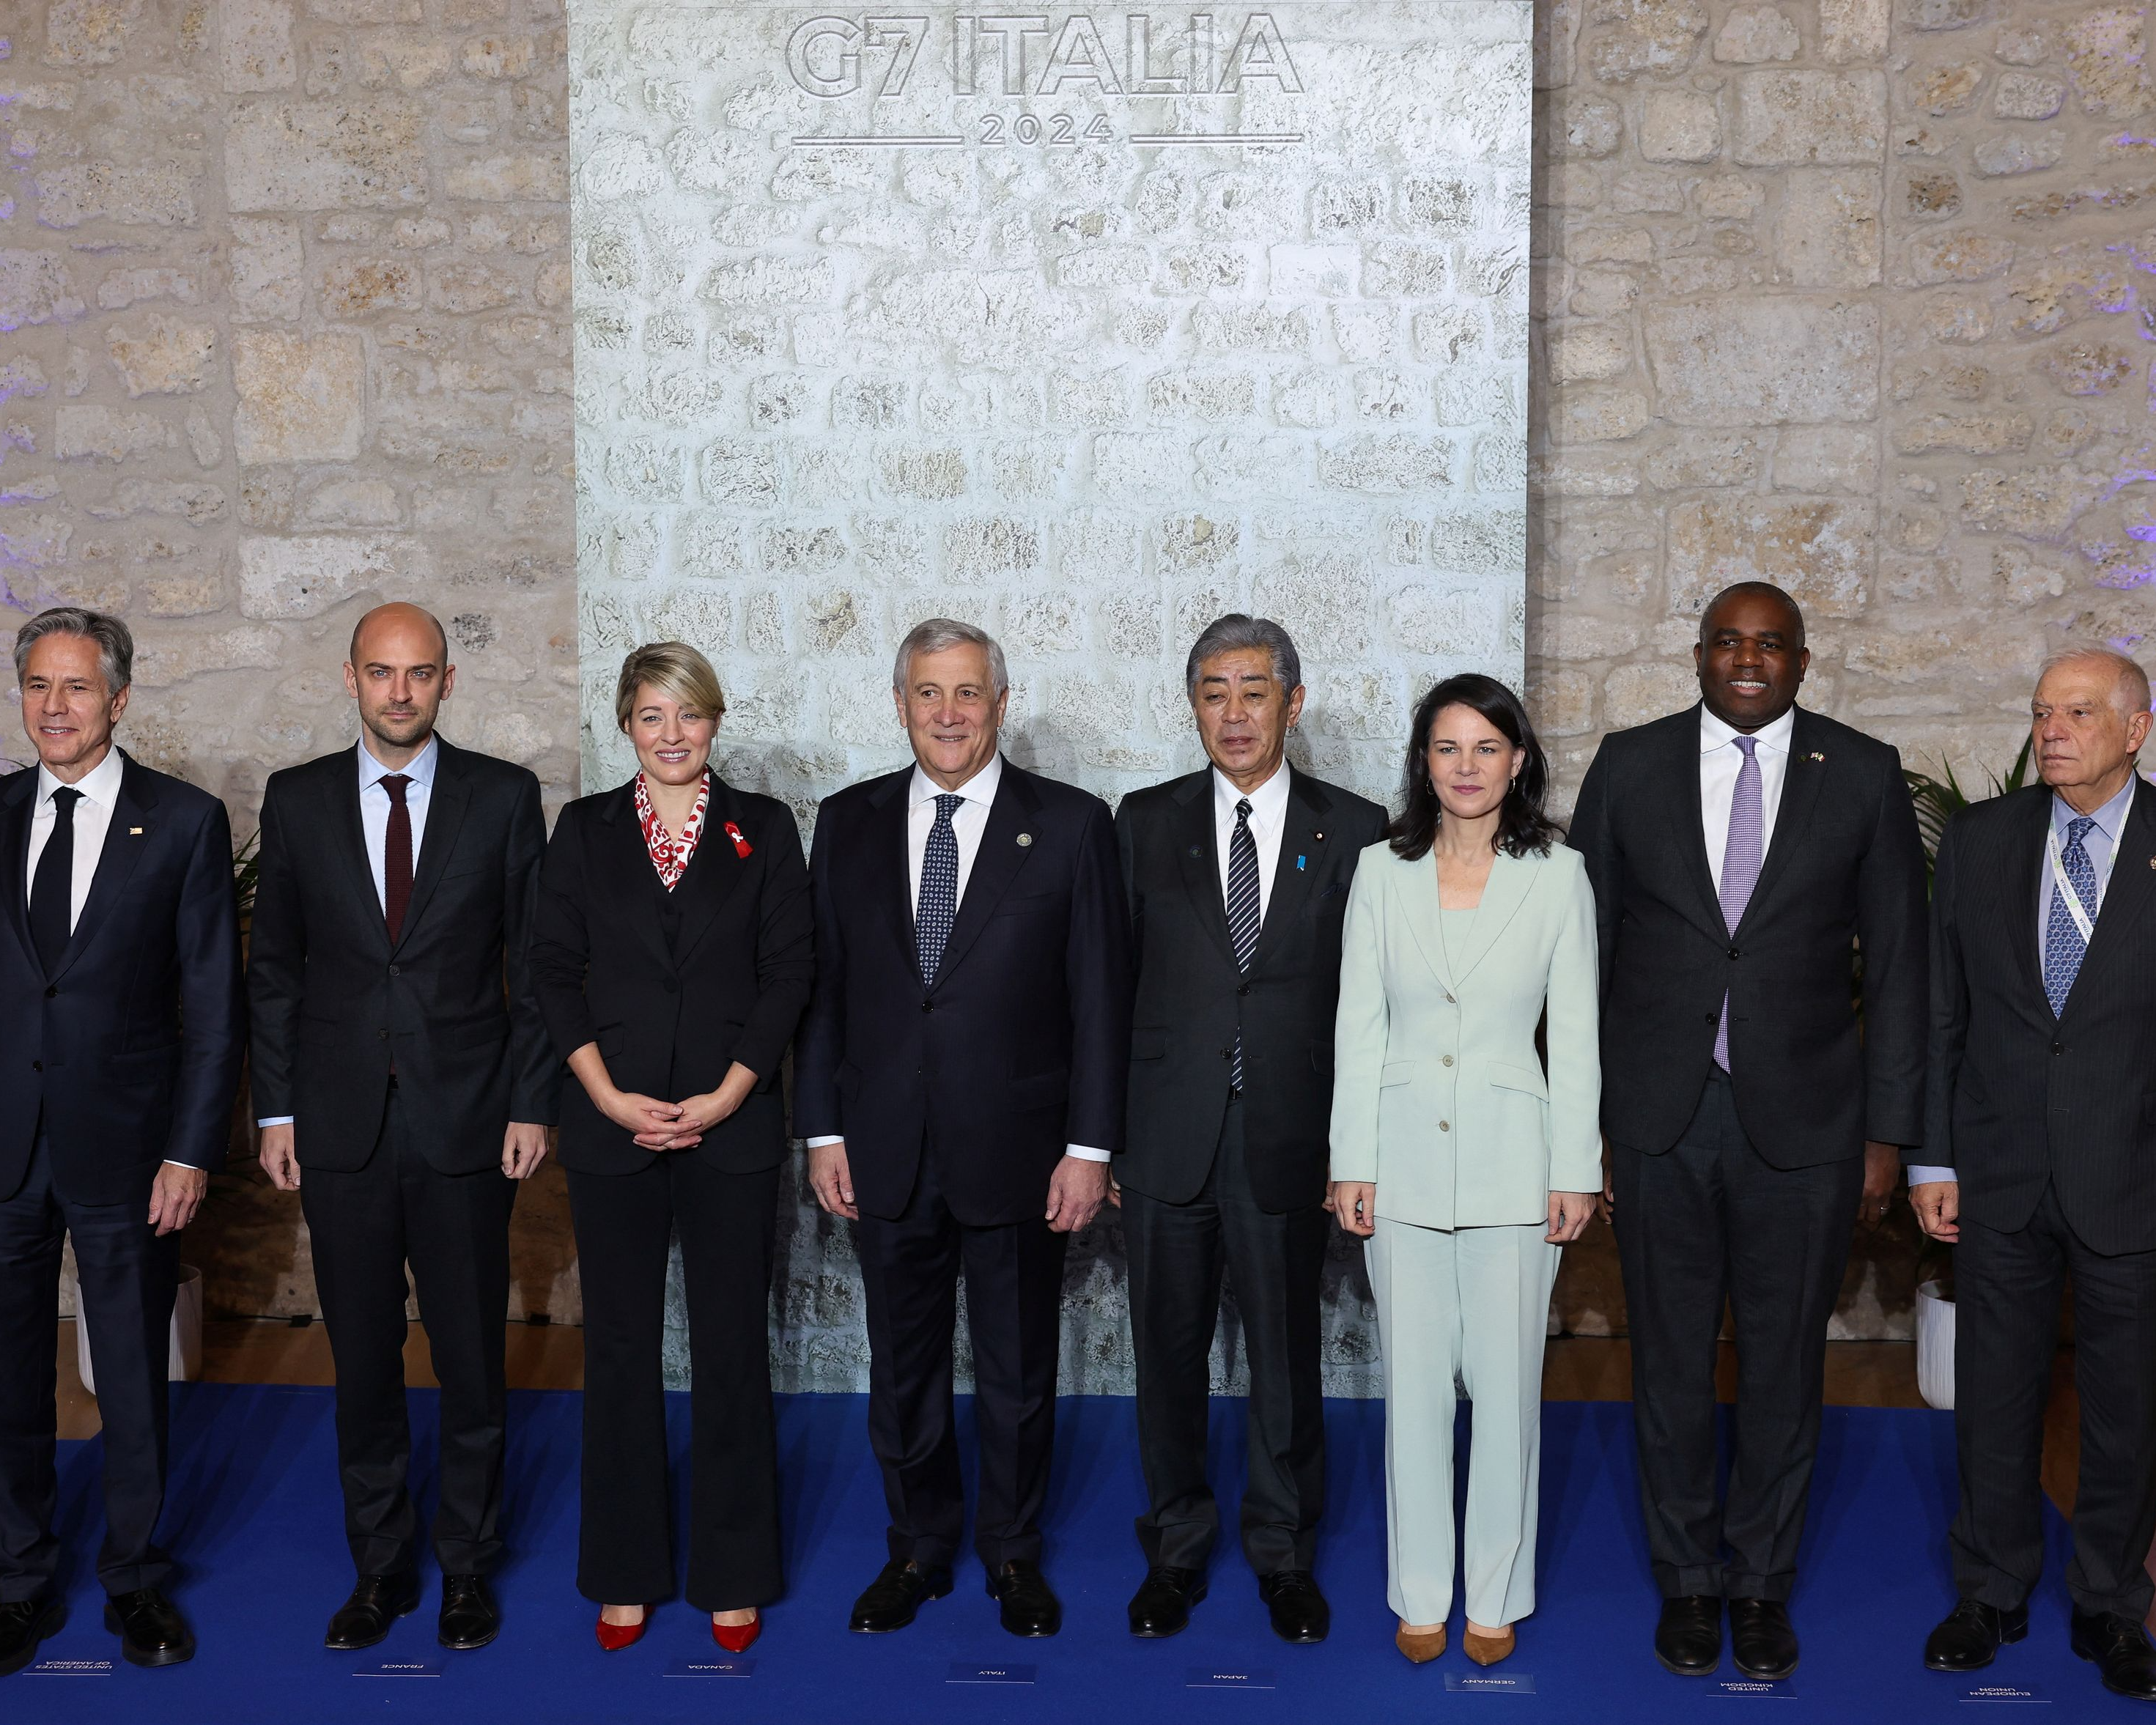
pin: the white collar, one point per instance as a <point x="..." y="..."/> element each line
<point x="1268" y="803"/>
<point x="420" y="769"/>
<point x="1713" y="734"/>
<point x="100" y="785"/>
<point x="980" y="789"/>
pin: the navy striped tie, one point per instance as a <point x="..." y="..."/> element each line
<point x="1244" y="914"/>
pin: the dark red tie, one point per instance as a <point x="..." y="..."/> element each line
<point x="397" y="857"/>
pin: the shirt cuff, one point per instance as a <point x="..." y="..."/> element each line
<point x="1086" y="1152"/>
<point x="192" y="1168"/>
<point x="818" y="1143"/>
<point x="1921" y="1176"/>
<point x="278" y="1120"/>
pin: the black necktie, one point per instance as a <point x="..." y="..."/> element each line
<point x="1244" y="919"/>
<point x="52" y="889"/>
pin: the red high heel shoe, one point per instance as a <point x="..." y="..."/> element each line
<point x="738" y="1637"/>
<point x="615" y="1637"/>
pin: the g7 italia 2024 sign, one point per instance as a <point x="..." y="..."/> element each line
<point x="1028" y="56"/>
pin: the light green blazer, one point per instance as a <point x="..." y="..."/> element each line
<point x="1438" y="1095"/>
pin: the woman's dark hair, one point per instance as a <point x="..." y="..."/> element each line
<point x="1522" y="827"/>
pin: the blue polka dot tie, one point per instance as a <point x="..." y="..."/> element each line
<point x="938" y="908"/>
<point x="2063" y="945"/>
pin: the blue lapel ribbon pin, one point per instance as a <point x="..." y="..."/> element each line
<point x="1299" y="863"/>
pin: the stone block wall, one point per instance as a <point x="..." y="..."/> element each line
<point x="284" y="332"/>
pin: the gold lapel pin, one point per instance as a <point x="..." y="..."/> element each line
<point x="1024" y="839"/>
<point x="137" y="832"/>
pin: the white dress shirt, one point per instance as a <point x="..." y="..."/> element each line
<point x="1720" y="761"/>
<point x="969" y="820"/>
<point x="374" y="823"/>
<point x="1268" y="821"/>
<point x="374" y="806"/>
<point x="93" y="818"/>
<point x="2101" y="842"/>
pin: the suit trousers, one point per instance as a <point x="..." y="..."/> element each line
<point x="1711" y="1222"/>
<point x="2008" y="1284"/>
<point x="726" y="1223"/>
<point x="366" y="1225"/>
<point x="1462" y="1309"/>
<point x="127" y="1276"/>
<point x="909" y="1269"/>
<point x="1176" y="1253"/>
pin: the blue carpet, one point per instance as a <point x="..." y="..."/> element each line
<point x="254" y="1512"/>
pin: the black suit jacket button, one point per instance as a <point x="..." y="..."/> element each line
<point x="397" y="970"/>
<point x="37" y="1065"/>
<point x="2058" y="1048"/>
<point x="1242" y="987"/>
<point x="383" y="1034"/>
<point x="928" y="1006"/>
<point x="51" y="990"/>
<point x="1733" y="951"/>
<point x="1712" y="1017"/>
<point x="671" y="985"/>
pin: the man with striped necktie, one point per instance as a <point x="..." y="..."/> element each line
<point x="2037" y="1163"/>
<point x="1238" y="879"/>
<point x="1739" y="850"/>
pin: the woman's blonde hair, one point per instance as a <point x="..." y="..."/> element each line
<point x="675" y="669"/>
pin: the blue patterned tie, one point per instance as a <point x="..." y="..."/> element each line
<point x="938" y="908"/>
<point x="1740" y="857"/>
<point x="2063" y="945"/>
<point x="1245" y="915"/>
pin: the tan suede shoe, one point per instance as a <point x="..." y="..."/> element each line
<point x="1420" y="1646"/>
<point x="1488" y="1650"/>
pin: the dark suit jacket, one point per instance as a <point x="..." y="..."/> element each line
<point x="129" y="1050"/>
<point x="1191" y="998"/>
<point x="2016" y="1096"/>
<point x="671" y="1015"/>
<point x="1023" y="1044"/>
<point x="448" y="1004"/>
<point x="1845" y="866"/>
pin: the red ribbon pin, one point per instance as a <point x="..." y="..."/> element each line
<point x="741" y="846"/>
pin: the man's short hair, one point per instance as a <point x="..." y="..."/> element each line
<point x="116" y="644"/>
<point x="676" y="670"/>
<point x="2130" y="691"/>
<point x="1237" y="631"/>
<point x="938" y="635"/>
<point x="1753" y="589"/>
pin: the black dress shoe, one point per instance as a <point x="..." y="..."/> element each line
<point x="1688" y="1639"/>
<point x="1761" y="1642"/>
<point x="2120" y="1647"/>
<point x="1161" y="1606"/>
<point x="469" y="1618"/>
<point x="1030" y="1607"/>
<point x="894" y="1596"/>
<point x="377" y="1602"/>
<point x="1298" y="1610"/>
<point x="151" y="1629"/>
<point x="1970" y="1635"/>
<point x="24" y="1623"/>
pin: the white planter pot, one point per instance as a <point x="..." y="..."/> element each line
<point x="1935" y="1347"/>
<point x="184" y="1354"/>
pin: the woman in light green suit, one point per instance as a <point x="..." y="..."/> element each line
<point x="1464" y="1168"/>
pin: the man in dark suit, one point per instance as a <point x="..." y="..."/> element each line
<point x="960" y="1079"/>
<point x="1238" y="879"/>
<point x="1739" y="851"/>
<point x="402" y="1067"/>
<point x="122" y="1018"/>
<point x="2038" y="1160"/>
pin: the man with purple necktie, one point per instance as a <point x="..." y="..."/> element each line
<point x="1741" y="852"/>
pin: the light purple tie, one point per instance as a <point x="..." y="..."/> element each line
<point x="1740" y="864"/>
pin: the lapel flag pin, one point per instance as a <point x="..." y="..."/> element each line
<point x="741" y="846"/>
<point x="137" y="832"/>
<point x="1024" y="840"/>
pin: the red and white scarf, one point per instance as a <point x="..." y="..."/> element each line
<point x="670" y="854"/>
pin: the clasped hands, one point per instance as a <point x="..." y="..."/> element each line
<point x="657" y="1126"/>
